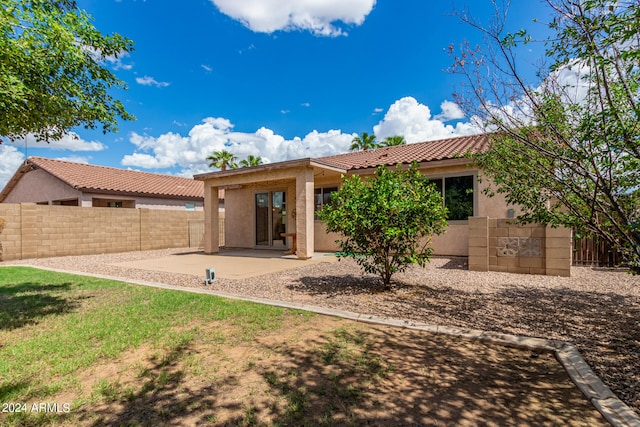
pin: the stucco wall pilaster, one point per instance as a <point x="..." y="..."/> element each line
<point x="211" y="236"/>
<point x="304" y="212"/>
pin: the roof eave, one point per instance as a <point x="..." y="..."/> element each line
<point x="288" y="164"/>
<point x="424" y="164"/>
<point x="137" y="194"/>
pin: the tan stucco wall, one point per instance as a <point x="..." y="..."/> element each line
<point x="325" y="242"/>
<point x="38" y="186"/>
<point x="38" y="231"/>
<point x="493" y="207"/>
<point x="453" y="242"/>
<point x="240" y="209"/>
<point x="240" y="223"/>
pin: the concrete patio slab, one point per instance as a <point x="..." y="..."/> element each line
<point x="228" y="264"/>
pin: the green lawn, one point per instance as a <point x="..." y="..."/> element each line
<point x="53" y="325"/>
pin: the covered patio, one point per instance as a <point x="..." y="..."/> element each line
<point x="276" y="201"/>
<point x="228" y="264"/>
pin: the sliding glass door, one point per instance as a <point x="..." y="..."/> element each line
<point x="271" y="219"/>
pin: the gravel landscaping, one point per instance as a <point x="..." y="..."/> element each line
<point x="598" y="310"/>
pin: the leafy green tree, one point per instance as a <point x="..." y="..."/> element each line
<point x="387" y="220"/>
<point x="251" y="160"/>
<point x="222" y="159"/>
<point x="52" y="73"/>
<point x="363" y="142"/>
<point x="392" y="141"/>
<point x="565" y="149"/>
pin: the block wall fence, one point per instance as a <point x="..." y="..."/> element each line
<point x="498" y="245"/>
<point x="28" y="230"/>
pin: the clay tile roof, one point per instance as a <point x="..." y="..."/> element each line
<point x="112" y="180"/>
<point x="443" y="149"/>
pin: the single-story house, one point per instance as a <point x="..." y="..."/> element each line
<point x="56" y="182"/>
<point x="264" y="202"/>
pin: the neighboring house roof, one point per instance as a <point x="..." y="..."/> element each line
<point x="442" y="149"/>
<point x="102" y="179"/>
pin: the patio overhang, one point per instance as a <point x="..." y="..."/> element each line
<point x="300" y="173"/>
<point x="260" y="173"/>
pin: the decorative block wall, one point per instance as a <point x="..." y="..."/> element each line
<point x="498" y="245"/>
<point x="40" y="231"/>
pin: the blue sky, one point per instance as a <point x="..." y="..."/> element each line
<point x="281" y="79"/>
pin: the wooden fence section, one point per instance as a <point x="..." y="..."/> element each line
<point x="594" y="251"/>
<point x="196" y="232"/>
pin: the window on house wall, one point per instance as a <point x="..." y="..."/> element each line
<point x="111" y="203"/>
<point x="457" y="195"/>
<point x="322" y="197"/>
<point x="72" y="202"/>
<point x="190" y="206"/>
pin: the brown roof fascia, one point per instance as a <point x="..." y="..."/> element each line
<point x="138" y="194"/>
<point x="253" y="169"/>
<point x="323" y="165"/>
<point x="287" y="164"/>
<point x="426" y="165"/>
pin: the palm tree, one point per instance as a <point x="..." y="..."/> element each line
<point x="363" y="142"/>
<point x="251" y="160"/>
<point x="393" y="141"/>
<point x="222" y="159"/>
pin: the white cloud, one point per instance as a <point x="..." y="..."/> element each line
<point x="568" y="82"/>
<point x="450" y="111"/>
<point x="190" y="152"/>
<point x="114" y="60"/>
<point x="70" y="141"/>
<point x="317" y="17"/>
<point x="117" y="64"/>
<point x="150" y="81"/>
<point x="207" y="68"/>
<point x="413" y="120"/>
<point x="11" y="161"/>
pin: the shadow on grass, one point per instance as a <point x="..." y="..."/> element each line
<point x="351" y="376"/>
<point x="28" y="303"/>
<point x="8" y="391"/>
<point x="392" y="377"/>
<point x="163" y="399"/>
<point x="604" y="326"/>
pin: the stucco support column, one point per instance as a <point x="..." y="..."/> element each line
<point x="211" y="218"/>
<point x="304" y="213"/>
